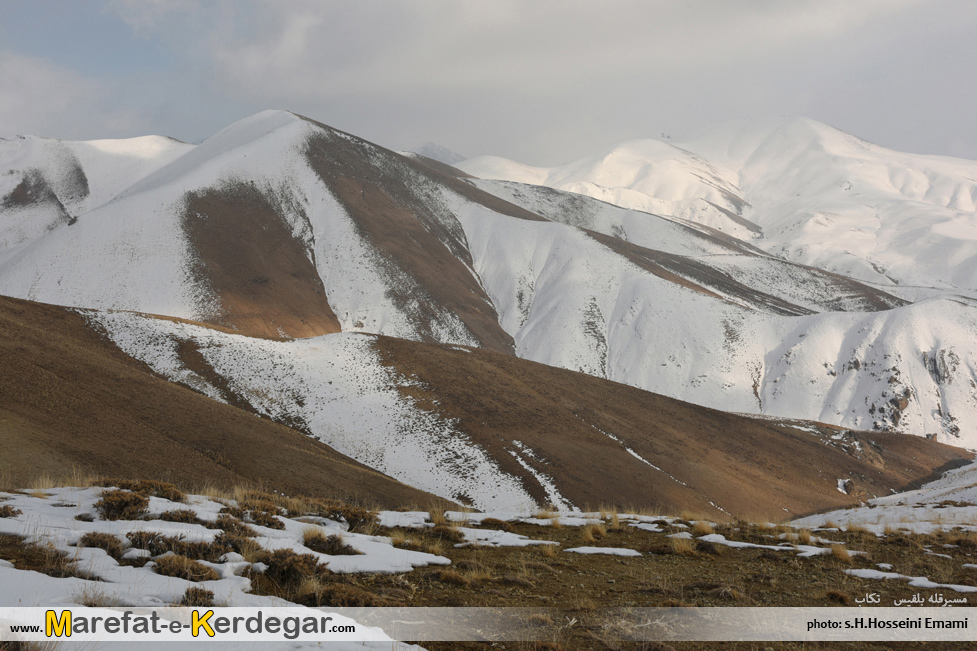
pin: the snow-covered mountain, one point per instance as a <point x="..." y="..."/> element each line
<point x="282" y="227"/>
<point x="796" y="188"/>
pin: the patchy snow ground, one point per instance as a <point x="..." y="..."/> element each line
<point x="944" y="504"/>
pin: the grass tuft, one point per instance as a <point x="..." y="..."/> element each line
<point x="182" y="567"/>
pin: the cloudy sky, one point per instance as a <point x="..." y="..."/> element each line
<point x="541" y="81"/>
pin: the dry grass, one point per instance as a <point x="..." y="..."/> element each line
<point x="839" y="552"/>
<point x="182" y="567"/>
<point x="438" y="518"/>
<point x="804" y="537"/>
<point x="702" y="528"/>
<point x="615" y="524"/>
<point x="682" y="546"/>
<point x="93" y="596"/>
<point x="452" y="576"/>
<point x="549" y="551"/>
<point x="593" y="532"/>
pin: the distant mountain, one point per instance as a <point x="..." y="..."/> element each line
<point x="279" y="227"/>
<point x="795" y="188"/>
<point x="441" y="154"/>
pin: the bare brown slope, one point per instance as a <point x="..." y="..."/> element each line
<point x="421" y="243"/>
<point x="748" y="467"/>
<point x="69" y="398"/>
<point x="246" y="257"/>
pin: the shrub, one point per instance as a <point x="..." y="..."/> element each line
<point x="197" y="597"/>
<point x="232" y="526"/>
<point x="9" y="512"/>
<point x="179" y="515"/>
<point x="146" y="488"/>
<point x="286" y="568"/>
<point x="111" y="544"/>
<point x="184" y="568"/>
<point x="451" y="534"/>
<point x="495" y="523"/>
<point x="315" y="592"/>
<point x="121" y="505"/>
<point x="451" y="576"/>
<point x="333" y="545"/>
<point x="157" y="544"/>
<point x="702" y="528"/>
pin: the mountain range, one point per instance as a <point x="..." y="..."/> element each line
<point x="748" y="322"/>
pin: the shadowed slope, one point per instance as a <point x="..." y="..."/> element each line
<point x="69" y="398"/>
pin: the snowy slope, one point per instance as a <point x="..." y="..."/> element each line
<point x="806" y="191"/>
<point x="277" y="213"/>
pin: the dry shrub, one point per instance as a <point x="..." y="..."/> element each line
<point x="184" y="568"/>
<point x="110" y="543"/>
<point x="727" y="592"/>
<point x="521" y="581"/>
<point x="232" y="526"/>
<point x="707" y="547"/>
<point x="539" y="619"/>
<point x="151" y="541"/>
<point x="332" y="545"/>
<point x="92" y="596"/>
<point x="702" y="528"/>
<point x="196" y="597"/>
<point x="838" y="597"/>
<point x="315" y="592"/>
<point x="451" y="576"/>
<point x="433" y="548"/>
<point x="839" y="552"/>
<point x="157" y="544"/>
<point x="147" y="488"/>
<point x="615" y="523"/>
<point x="495" y="523"/>
<point x="263" y="519"/>
<point x="451" y="534"/>
<point x="549" y="551"/>
<point x="804" y="537"/>
<point x="180" y="515"/>
<point x="287" y="569"/>
<point x="9" y="512"/>
<point x="121" y="505"/>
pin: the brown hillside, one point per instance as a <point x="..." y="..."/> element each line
<point x="745" y="466"/>
<point x="68" y="398"/>
<point x="259" y="274"/>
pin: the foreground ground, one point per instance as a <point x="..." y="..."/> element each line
<point x="149" y="544"/>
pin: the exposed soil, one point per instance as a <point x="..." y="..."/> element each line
<point x="71" y="399"/>
<point x="425" y="250"/>
<point x="247" y="257"/>
<point x="749" y="468"/>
